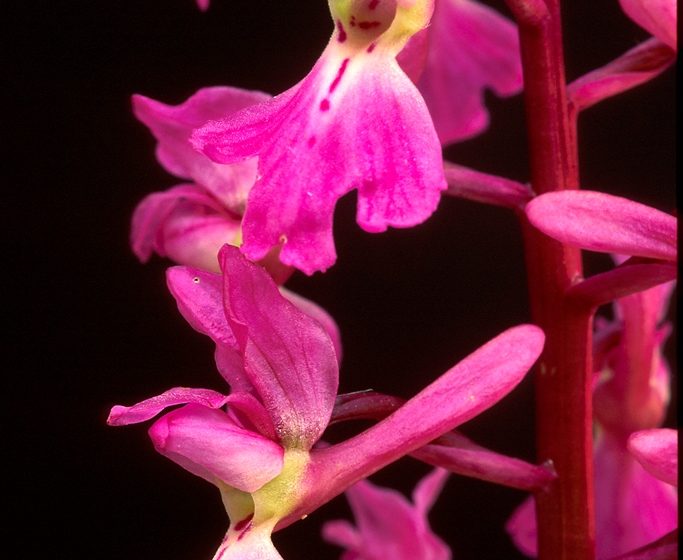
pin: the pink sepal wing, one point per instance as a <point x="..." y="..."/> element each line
<point x="388" y="525"/>
<point x="522" y="527"/>
<point x="352" y="123"/>
<point x="471" y="48"/>
<point x="605" y="223"/>
<point x="482" y="187"/>
<point x="209" y="444"/>
<point x="185" y="224"/>
<point x="656" y="16"/>
<point x="172" y="126"/>
<point x="471" y="386"/>
<point x="288" y="356"/>
<point x="313" y="310"/>
<point x="637" y="66"/>
<point x="144" y="410"/>
<point x="657" y="451"/>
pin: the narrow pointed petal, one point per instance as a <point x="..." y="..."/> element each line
<point x="185" y="224"/>
<point x="343" y="534"/>
<point x="605" y="223"/>
<point x="428" y="489"/>
<point x="482" y="187"/>
<point x="472" y="48"/>
<point x="149" y="408"/>
<point x="471" y="386"/>
<point x="302" y="138"/>
<point x="635" y="67"/>
<point x="210" y="445"/>
<point x="656" y="16"/>
<point x="288" y="356"/>
<point x="172" y="126"/>
<point x="657" y="451"/>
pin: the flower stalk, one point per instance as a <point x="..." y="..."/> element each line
<point x="563" y="411"/>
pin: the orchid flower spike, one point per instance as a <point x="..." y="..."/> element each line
<point x="633" y="507"/>
<point x="467" y="49"/>
<point x="259" y="444"/>
<point x="388" y="525"/>
<point x="356" y="122"/>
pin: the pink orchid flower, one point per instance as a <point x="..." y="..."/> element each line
<point x="468" y="48"/>
<point x="633" y="508"/>
<point x="258" y="444"/>
<point x="190" y="222"/>
<point x="356" y="122"/>
<point x="388" y="525"/>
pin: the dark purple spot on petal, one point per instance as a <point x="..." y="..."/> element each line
<point x="353" y="21"/>
<point x="244" y="522"/>
<point x="373" y="4"/>
<point x="369" y="24"/>
<point x="325" y="105"/>
<point x="311" y="141"/>
<point x="371" y="47"/>
<point x="339" y="75"/>
<point x="342" y="33"/>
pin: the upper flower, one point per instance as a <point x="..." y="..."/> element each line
<point x="356" y="122"/>
<point x="282" y="368"/>
<point x="467" y="49"/>
<point x="388" y="525"/>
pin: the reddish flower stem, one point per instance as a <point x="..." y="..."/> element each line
<point x="565" y="513"/>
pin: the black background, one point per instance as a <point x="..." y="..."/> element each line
<point x="95" y="328"/>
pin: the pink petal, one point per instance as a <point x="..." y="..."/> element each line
<point x="522" y="527"/>
<point x="203" y="5"/>
<point x="605" y="223"/>
<point x="471" y="386"/>
<point x="665" y="548"/>
<point x="199" y="296"/>
<point x="352" y="123"/>
<point x="428" y="489"/>
<point x="471" y="48"/>
<point x="482" y="187"/>
<point x="288" y="356"/>
<point x="657" y="452"/>
<point x="185" y="224"/>
<point x="144" y="410"/>
<point x="637" y="66"/>
<point x="632" y="507"/>
<point x="656" y="16"/>
<point x="210" y="445"/>
<point x="172" y="126"/>
<point x="313" y="310"/>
